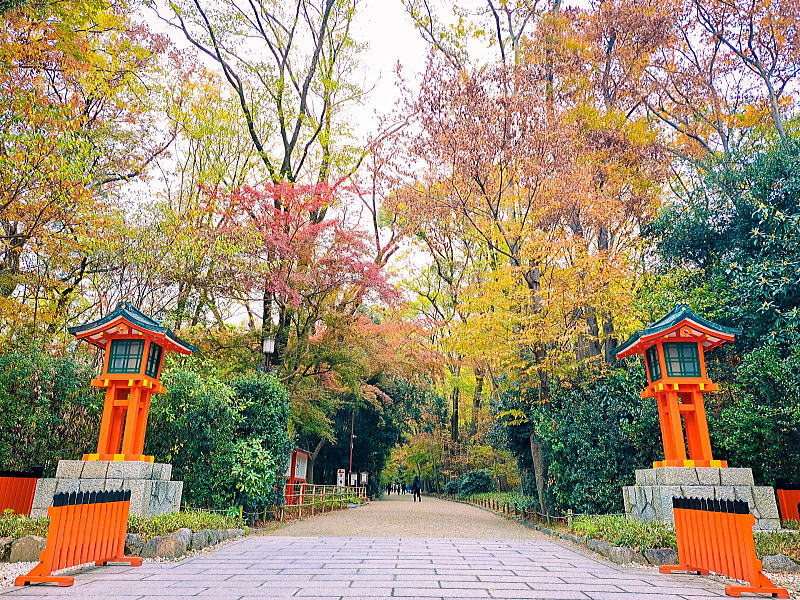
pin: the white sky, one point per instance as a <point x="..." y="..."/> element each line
<point x="392" y="38"/>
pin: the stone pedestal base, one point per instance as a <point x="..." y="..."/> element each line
<point x="152" y="491"/>
<point x="651" y="498"/>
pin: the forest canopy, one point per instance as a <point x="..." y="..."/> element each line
<point x="456" y="281"/>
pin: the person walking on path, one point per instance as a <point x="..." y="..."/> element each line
<point x="403" y="488"/>
<point x="416" y="489"/>
<point x="389" y="489"/>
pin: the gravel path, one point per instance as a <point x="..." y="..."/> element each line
<point x="398" y="516"/>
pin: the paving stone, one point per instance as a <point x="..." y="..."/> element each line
<point x="344" y="567"/>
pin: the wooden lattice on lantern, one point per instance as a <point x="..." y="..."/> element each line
<point x="673" y="348"/>
<point x="134" y="346"/>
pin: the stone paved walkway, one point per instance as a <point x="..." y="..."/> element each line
<point x="380" y="567"/>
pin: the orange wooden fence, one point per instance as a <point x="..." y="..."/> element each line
<point x="789" y="503"/>
<point x="84" y="527"/>
<point x="17" y="489"/>
<point x="717" y="535"/>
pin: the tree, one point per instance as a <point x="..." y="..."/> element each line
<point x="290" y="79"/>
<point x="78" y="85"/>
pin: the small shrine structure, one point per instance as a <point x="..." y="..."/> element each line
<point x="134" y="346"/>
<point x="296" y="476"/>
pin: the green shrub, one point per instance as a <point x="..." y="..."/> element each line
<point x="227" y="443"/>
<point x="513" y="499"/>
<point x="48" y="410"/>
<point x="17" y="526"/>
<point x="757" y="423"/>
<point x="621" y="531"/>
<point x="594" y="432"/>
<point x="778" y="542"/>
<point x="263" y="446"/>
<point x="452" y="487"/>
<point x="475" y="482"/>
<point x="791" y="524"/>
<point x="195" y="520"/>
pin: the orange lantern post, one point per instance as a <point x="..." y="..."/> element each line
<point x="134" y="346"/>
<point x="674" y="353"/>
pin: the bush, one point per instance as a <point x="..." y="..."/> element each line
<point x="758" y="423"/>
<point x="621" y="531"/>
<point x="452" y="487"/>
<point x="48" y="411"/>
<point x="595" y="435"/>
<point x="264" y="446"/>
<point x="228" y="443"/>
<point x="16" y="526"/>
<point x="778" y="542"/>
<point x="475" y="482"/>
<point x="594" y="432"/>
<point x="515" y="499"/>
<point x="195" y="520"/>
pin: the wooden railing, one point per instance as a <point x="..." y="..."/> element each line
<point x="306" y="499"/>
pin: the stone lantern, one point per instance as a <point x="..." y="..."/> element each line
<point x="133" y="347"/>
<point x="674" y="350"/>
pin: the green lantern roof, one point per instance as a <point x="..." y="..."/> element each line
<point x="682" y="313"/>
<point x="128" y="312"/>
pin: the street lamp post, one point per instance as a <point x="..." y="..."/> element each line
<point x="268" y="347"/>
<point x="352" y="424"/>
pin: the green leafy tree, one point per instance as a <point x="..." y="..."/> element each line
<point x="758" y="420"/>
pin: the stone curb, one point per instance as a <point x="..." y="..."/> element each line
<point x="174" y="545"/>
<point x="777" y="563"/>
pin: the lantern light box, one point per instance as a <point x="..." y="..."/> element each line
<point x="674" y="353"/>
<point x="134" y="346"/>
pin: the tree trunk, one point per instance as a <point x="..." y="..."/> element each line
<point x="476" y="403"/>
<point x="311" y="459"/>
<point x="539" y="470"/>
<point x="454" y="414"/>
<point x="609" y="343"/>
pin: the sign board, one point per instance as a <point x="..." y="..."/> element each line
<point x="301" y="466"/>
<point x="354" y="479"/>
<point x="340" y="477"/>
<point x="364" y="477"/>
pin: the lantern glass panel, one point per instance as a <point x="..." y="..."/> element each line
<point x="125" y="356"/>
<point x="153" y="360"/>
<point x="653" y="366"/>
<point x="682" y="359"/>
